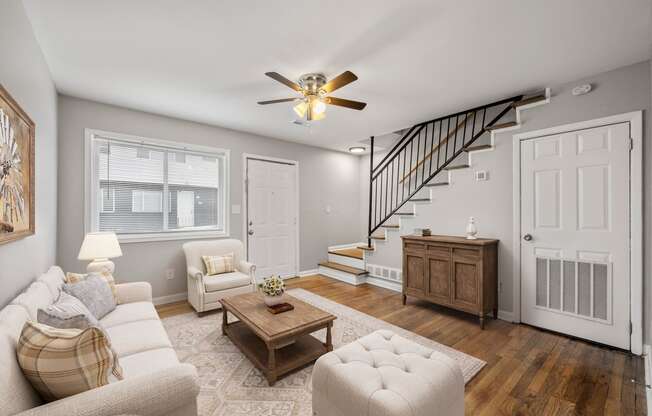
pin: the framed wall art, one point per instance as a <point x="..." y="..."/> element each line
<point x="17" y="135"/>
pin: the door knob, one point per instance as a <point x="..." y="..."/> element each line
<point x="251" y="232"/>
<point x="527" y="237"/>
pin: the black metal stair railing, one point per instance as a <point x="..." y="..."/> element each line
<point x="424" y="151"/>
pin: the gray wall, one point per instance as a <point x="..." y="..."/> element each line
<point x="619" y="91"/>
<point x="327" y="178"/>
<point x="24" y="73"/>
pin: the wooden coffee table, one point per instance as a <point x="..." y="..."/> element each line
<point x="276" y="344"/>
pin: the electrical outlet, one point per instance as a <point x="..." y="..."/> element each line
<point x="169" y="274"/>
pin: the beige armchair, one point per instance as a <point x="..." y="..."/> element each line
<point x="205" y="292"/>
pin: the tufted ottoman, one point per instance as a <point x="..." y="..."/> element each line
<point x="383" y="374"/>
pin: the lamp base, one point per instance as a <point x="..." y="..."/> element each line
<point x="100" y="266"/>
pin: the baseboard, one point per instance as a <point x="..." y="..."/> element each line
<point x="506" y="316"/>
<point x="387" y="284"/>
<point x="162" y="300"/>
<point x="307" y="273"/>
<point x="647" y="350"/>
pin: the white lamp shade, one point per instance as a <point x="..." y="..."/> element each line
<point x="99" y="246"/>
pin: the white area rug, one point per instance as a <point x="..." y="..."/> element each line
<point x="231" y="386"/>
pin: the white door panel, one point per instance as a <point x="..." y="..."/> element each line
<point x="271" y="217"/>
<point x="575" y="206"/>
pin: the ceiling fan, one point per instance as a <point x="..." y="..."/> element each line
<point x="314" y="89"/>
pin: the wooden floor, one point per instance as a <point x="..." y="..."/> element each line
<point x="528" y="371"/>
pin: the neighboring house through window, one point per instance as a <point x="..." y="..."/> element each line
<point x="147" y="189"/>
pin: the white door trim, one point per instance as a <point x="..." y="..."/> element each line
<point x="635" y="204"/>
<point x="245" y="234"/>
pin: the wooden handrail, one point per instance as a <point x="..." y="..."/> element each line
<point x="435" y="147"/>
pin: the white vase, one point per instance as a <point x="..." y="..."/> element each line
<point x="471" y="229"/>
<point x="273" y="300"/>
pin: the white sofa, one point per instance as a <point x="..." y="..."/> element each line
<point x="154" y="384"/>
<point x="205" y="292"/>
<point x="385" y="374"/>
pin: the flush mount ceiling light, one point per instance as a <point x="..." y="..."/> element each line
<point x="314" y="89"/>
<point x="356" y="149"/>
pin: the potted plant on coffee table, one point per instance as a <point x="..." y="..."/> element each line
<point x="273" y="289"/>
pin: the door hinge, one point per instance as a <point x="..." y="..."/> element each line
<point x="631" y="328"/>
<point x="631" y="144"/>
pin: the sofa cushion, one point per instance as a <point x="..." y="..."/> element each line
<point x="67" y="312"/>
<point x="63" y="362"/>
<point x="148" y="361"/>
<point x="95" y="293"/>
<point x="226" y="281"/>
<point x="129" y="312"/>
<point x="36" y="296"/>
<point x="54" y="279"/>
<point x="108" y="276"/>
<point x="12" y="319"/>
<point x="135" y="337"/>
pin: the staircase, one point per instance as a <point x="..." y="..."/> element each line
<point x="422" y="161"/>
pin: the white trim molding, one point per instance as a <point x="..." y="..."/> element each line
<point x="635" y="120"/>
<point x="245" y="208"/>
<point x="305" y="273"/>
<point x="176" y="297"/>
<point x="647" y="363"/>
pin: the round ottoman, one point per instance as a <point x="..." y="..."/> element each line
<point x="383" y="374"/>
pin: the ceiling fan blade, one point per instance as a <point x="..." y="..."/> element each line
<point x="282" y="100"/>
<point x="339" y="81"/>
<point x="355" y="105"/>
<point x="280" y="78"/>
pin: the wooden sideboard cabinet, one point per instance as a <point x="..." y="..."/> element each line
<point x="453" y="272"/>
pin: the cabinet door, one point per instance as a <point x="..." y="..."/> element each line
<point x="466" y="287"/>
<point x="439" y="274"/>
<point x="414" y="273"/>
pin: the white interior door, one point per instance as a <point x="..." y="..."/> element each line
<point x="272" y="217"/>
<point x="575" y="233"/>
<point x="185" y="209"/>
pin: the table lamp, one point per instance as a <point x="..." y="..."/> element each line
<point x="99" y="248"/>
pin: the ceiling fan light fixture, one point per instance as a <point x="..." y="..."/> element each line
<point x="356" y="149"/>
<point x="301" y="109"/>
<point x="317" y="106"/>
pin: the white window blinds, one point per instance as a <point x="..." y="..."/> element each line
<point x="149" y="188"/>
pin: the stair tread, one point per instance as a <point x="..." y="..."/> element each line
<point x="420" y="199"/>
<point x="390" y="226"/>
<point x="454" y="167"/>
<point x="377" y="237"/>
<point x="530" y="100"/>
<point x="438" y="184"/>
<point x="354" y="253"/>
<point x="366" y="248"/>
<point x="343" y="268"/>
<point x="478" y="147"/>
<point x="404" y="213"/>
<point x="501" y="126"/>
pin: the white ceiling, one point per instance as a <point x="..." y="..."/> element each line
<point x="204" y="60"/>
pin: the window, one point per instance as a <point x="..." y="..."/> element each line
<point x="107" y="199"/>
<point x="154" y="190"/>
<point x="146" y="201"/>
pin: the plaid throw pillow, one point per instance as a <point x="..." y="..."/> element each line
<point x="63" y="362"/>
<point x="78" y="277"/>
<point x="218" y="264"/>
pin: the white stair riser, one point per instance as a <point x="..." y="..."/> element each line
<point x="343" y="276"/>
<point x="347" y="261"/>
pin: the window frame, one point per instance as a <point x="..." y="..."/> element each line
<point x="91" y="208"/>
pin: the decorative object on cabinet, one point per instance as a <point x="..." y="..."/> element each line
<point x="471" y="229"/>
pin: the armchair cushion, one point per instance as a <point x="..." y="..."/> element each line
<point x="218" y="264"/>
<point x="226" y="281"/>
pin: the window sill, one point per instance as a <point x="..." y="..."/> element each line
<point x="170" y="236"/>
